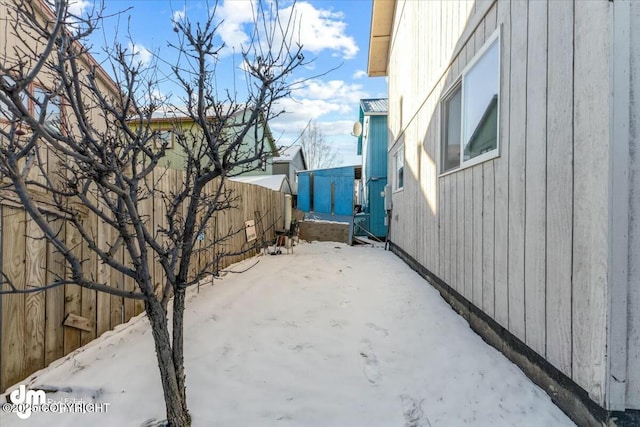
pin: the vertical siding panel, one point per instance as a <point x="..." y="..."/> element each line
<point x="488" y="218"/>
<point x="411" y="182"/>
<point x="450" y="230"/>
<point x="621" y="208"/>
<point x="468" y="233"/>
<point x="479" y="35"/>
<point x="444" y="27"/>
<point x="535" y="227"/>
<point x="461" y="238"/>
<point x="422" y="208"/>
<point x="427" y="183"/>
<point x="438" y="261"/>
<point x="591" y="154"/>
<point x="466" y="9"/>
<point x="444" y="230"/>
<point x="490" y="23"/>
<point x="477" y="234"/>
<point x="454" y="230"/>
<point x="435" y="135"/>
<point x="559" y="185"/>
<point x="470" y="51"/>
<point x="502" y="173"/>
<point x="517" y="136"/>
<point x="36" y="268"/>
<point x="633" y="359"/>
<point x="435" y="36"/>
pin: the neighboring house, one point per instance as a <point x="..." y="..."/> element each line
<point x="517" y="180"/>
<point x="290" y="162"/>
<point x="372" y="146"/>
<point x="170" y="124"/>
<point x="273" y="182"/>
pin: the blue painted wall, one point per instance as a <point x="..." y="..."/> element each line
<point x="376" y="208"/>
<point x="377" y="150"/>
<point x="376" y="174"/>
<point x="332" y="191"/>
<point x="304" y="201"/>
<point x="361" y="120"/>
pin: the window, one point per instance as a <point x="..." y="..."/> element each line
<point x="470" y="111"/>
<point x="451" y="114"/>
<point x="163" y="138"/>
<point x="34" y="98"/>
<point x="5" y="111"/>
<point x="51" y="102"/>
<point x="398" y="161"/>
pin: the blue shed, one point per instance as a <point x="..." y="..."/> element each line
<point x="328" y="192"/>
<point x="372" y="145"/>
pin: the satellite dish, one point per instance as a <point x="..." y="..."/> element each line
<point x="357" y="129"/>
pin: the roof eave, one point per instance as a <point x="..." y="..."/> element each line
<point x="380" y="37"/>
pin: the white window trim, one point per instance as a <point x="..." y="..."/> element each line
<point x="458" y="82"/>
<point x="394" y="153"/>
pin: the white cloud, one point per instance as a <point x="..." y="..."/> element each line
<point x="337" y="90"/>
<point x="331" y="104"/>
<point x="139" y="53"/>
<point x="234" y="15"/>
<point x="178" y="15"/>
<point x="359" y="74"/>
<point x="315" y="29"/>
<point x="320" y="29"/>
<point x="79" y="7"/>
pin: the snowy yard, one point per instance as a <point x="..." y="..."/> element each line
<point x="331" y="335"/>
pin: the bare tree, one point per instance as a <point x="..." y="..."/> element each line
<point x="86" y="143"/>
<point x="317" y="151"/>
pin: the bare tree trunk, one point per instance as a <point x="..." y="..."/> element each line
<point x="178" y="343"/>
<point x="101" y="132"/>
<point x="174" y="394"/>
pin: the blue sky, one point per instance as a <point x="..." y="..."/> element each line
<point x="333" y="33"/>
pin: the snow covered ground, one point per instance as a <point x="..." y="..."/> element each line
<point x="331" y="335"/>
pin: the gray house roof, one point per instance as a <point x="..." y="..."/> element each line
<point x="372" y="107"/>
<point x="288" y="154"/>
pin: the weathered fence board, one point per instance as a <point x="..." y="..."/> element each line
<point x="32" y="326"/>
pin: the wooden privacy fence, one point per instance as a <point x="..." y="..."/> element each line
<point x="38" y="328"/>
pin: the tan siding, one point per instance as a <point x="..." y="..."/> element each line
<point x="517" y="141"/>
<point x="633" y="360"/>
<point x="488" y="218"/>
<point x="590" y="196"/>
<point x="461" y="238"/>
<point x="469" y="279"/>
<point x="559" y="186"/>
<point x="535" y="203"/>
<point x="523" y="236"/>
<point x="502" y="174"/>
<point x="476" y="260"/>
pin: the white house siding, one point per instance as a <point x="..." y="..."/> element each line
<point x="633" y="357"/>
<point x="524" y="236"/>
